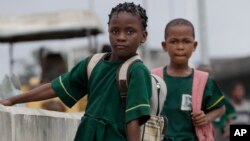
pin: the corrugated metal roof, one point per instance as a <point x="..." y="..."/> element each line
<point x="45" y="26"/>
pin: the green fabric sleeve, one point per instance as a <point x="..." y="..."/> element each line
<point x="139" y="93"/>
<point x="72" y="86"/>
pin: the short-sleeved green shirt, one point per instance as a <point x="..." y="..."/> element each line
<point x="178" y="105"/>
<point x="104" y="117"/>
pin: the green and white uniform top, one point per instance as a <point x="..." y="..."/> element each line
<point x="104" y="118"/>
<point x="178" y="105"/>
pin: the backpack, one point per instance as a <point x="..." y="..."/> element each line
<point x="204" y="133"/>
<point x="154" y="128"/>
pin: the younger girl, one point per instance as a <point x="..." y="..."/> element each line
<point x="180" y="44"/>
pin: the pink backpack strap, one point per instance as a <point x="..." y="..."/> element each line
<point x="158" y="71"/>
<point x="198" y="87"/>
<point x="204" y="133"/>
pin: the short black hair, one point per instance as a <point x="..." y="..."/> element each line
<point x="179" y="21"/>
<point x="133" y="9"/>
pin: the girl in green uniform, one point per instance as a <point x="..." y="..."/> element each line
<point x="180" y="44"/>
<point x="104" y="118"/>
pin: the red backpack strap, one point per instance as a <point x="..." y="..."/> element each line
<point x="204" y="133"/>
<point x="158" y="71"/>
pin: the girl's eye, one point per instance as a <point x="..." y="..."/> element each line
<point x="114" y="31"/>
<point x="174" y="42"/>
<point x="130" y="31"/>
<point x="187" y="41"/>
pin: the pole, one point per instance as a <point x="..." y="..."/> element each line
<point x="11" y="60"/>
<point x="91" y="4"/>
<point x="203" y="32"/>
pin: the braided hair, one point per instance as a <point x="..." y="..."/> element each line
<point x="179" y="21"/>
<point x="133" y="9"/>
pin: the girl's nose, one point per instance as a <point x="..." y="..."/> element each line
<point x="122" y="36"/>
<point x="180" y="46"/>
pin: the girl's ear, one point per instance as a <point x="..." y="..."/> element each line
<point x="164" y="47"/>
<point x="195" y="45"/>
<point x="144" y="36"/>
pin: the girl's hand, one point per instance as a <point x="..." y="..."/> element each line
<point x="6" y="102"/>
<point x="199" y="118"/>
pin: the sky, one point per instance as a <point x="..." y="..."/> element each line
<point x="226" y="25"/>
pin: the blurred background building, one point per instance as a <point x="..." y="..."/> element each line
<point x="69" y="31"/>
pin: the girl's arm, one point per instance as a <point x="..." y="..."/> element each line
<point x="226" y="130"/>
<point x="212" y="115"/>
<point x="200" y="118"/>
<point x="42" y="92"/>
<point x="133" y="131"/>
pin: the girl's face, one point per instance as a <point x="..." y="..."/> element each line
<point x="238" y="92"/>
<point x="179" y="44"/>
<point x="125" y="34"/>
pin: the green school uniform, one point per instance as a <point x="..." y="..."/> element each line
<point x="178" y="104"/>
<point x="104" y="118"/>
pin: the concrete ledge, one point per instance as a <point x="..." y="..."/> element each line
<point x="24" y="124"/>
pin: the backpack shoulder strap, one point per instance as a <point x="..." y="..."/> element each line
<point x="158" y="71"/>
<point x="122" y="76"/>
<point x="198" y="86"/>
<point x="93" y="60"/>
<point x="204" y="133"/>
<point x="159" y="94"/>
<point x="159" y="99"/>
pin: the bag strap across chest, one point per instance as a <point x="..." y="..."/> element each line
<point x="159" y="89"/>
<point x="122" y="78"/>
<point x="122" y="74"/>
<point x="93" y="61"/>
<point x="204" y="133"/>
<point x="198" y="87"/>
